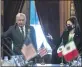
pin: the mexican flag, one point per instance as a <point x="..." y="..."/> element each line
<point x="70" y="51"/>
<point x="59" y="51"/>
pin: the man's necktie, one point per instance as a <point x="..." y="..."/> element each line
<point x="22" y="31"/>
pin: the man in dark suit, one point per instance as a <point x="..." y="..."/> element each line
<point x="17" y="33"/>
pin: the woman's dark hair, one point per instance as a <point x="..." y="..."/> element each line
<point x="75" y="22"/>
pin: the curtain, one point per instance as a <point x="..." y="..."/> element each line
<point x="11" y="8"/>
<point x="48" y="12"/>
<point x="78" y="9"/>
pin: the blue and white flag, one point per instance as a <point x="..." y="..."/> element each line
<point x="34" y="21"/>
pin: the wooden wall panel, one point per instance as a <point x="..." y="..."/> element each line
<point x="62" y="16"/>
<point x="64" y="10"/>
<point x="25" y="10"/>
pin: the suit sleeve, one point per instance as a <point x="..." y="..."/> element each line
<point x="7" y="33"/>
<point x="60" y="40"/>
<point x="77" y="40"/>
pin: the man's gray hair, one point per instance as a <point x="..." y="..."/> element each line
<point x="21" y="14"/>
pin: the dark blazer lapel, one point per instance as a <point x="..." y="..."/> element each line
<point x="26" y="31"/>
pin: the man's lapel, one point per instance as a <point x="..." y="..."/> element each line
<point x="19" y="33"/>
<point x="26" y="31"/>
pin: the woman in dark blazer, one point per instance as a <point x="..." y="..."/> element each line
<point x="71" y="24"/>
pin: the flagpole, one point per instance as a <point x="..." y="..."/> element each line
<point x="62" y="59"/>
<point x="70" y="64"/>
<point x="62" y="64"/>
<point x="42" y="60"/>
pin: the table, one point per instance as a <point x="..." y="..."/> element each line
<point x="50" y="65"/>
